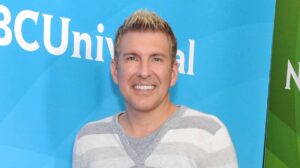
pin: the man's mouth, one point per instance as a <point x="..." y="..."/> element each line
<point x="144" y="87"/>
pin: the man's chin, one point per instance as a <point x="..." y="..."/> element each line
<point x="142" y="107"/>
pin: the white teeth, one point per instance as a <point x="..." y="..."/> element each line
<point x="144" y="87"/>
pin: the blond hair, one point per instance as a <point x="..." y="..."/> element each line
<point x="143" y="21"/>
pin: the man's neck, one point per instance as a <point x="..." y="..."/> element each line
<point x="140" y="124"/>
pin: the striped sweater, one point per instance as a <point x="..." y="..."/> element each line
<point x="189" y="139"/>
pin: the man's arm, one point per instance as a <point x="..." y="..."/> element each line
<point x="223" y="154"/>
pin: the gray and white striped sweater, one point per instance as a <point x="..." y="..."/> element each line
<point x="189" y="139"/>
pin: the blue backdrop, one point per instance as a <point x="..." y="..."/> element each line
<point x="50" y="86"/>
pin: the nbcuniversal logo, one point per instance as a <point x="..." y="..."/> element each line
<point x="78" y="38"/>
<point x="291" y="74"/>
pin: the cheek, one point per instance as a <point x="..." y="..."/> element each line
<point x="164" y="75"/>
<point x="125" y="73"/>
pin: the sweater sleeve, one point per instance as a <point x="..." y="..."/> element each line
<point x="222" y="149"/>
<point x="78" y="160"/>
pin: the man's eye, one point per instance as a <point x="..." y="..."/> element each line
<point x="131" y="58"/>
<point x="157" y="59"/>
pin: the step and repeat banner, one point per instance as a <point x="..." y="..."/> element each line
<point x="283" y="121"/>
<point x="54" y="71"/>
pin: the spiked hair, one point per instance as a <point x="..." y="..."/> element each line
<point x="144" y="21"/>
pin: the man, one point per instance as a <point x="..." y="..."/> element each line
<point x="152" y="132"/>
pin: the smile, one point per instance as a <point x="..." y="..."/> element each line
<point x="144" y="87"/>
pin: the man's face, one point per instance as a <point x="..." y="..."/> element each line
<point x="144" y="70"/>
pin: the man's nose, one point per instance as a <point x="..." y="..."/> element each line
<point x="145" y="70"/>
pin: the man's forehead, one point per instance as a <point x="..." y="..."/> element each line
<point x="124" y="47"/>
<point x="143" y="33"/>
<point x="145" y="38"/>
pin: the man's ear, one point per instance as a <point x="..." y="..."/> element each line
<point x="174" y="74"/>
<point x="114" y="70"/>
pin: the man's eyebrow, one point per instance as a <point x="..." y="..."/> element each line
<point x="159" y="54"/>
<point x="129" y="53"/>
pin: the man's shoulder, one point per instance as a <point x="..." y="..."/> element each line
<point x="198" y="119"/>
<point x="190" y="112"/>
<point x="102" y="126"/>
